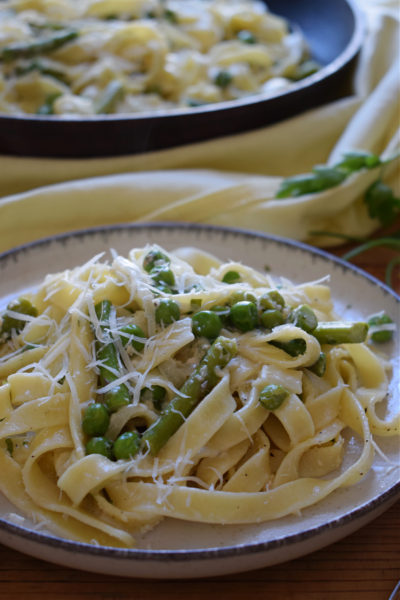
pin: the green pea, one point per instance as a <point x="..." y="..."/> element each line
<point x="231" y="277"/>
<point x="116" y="398"/>
<point x="126" y="445"/>
<point x="246" y="37"/>
<point x="162" y="274"/>
<point x="272" y="300"/>
<point x="241" y="295"/>
<point x="154" y="258"/>
<point x="243" y="315"/>
<point x="294" y="347"/>
<point x="206" y="323"/>
<point x="319" y="367"/>
<point x="22" y="306"/>
<point x="221" y="310"/>
<point x="95" y="419"/>
<point x="171" y="16"/>
<point x="305" y="69"/>
<point x="132" y="331"/>
<point x="167" y="311"/>
<point x="272" y="396"/>
<point x="223" y="79"/>
<point x="382" y="335"/>
<point x="100" y="445"/>
<point x="272" y="318"/>
<point x="304" y="317"/>
<point x="163" y="287"/>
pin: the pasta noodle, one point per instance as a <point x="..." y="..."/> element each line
<point x="86" y="57"/>
<point x="157" y="386"/>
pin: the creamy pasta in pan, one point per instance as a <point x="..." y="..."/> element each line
<point x="176" y="385"/>
<point x="87" y="57"/>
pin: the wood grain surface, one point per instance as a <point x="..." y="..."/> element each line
<point x="363" y="566"/>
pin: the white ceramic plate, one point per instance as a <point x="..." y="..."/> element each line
<point x="177" y="549"/>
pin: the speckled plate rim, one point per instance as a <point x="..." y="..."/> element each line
<point x="327" y="71"/>
<point x="386" y="499"/>
<point x="360" y="514"/>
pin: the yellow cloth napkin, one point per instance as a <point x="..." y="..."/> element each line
<point x="229" y="181"/>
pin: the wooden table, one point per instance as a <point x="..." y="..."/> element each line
<point x="364" y="566"/>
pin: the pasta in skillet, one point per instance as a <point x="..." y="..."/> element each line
<point x="86" y="57"/>
<point x="175" y="385"/>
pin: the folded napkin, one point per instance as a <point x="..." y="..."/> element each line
<point x="233" y="180"/>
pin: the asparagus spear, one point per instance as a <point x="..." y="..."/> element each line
<point x="112" y="93"/>
<point x="378" y="323"/>
<point x="47" y="107"/>
<point x="195" y="388"/>
<point x="117" y="396"/>
<point x="294" y="347"/>
<point x="40" y="46"/>
<point x="338" y="332"/>
<point x="326" y="332"/>
<point x="22" y="306"/>
<point x="319" y="367"/>
<point x="42" y="67"/>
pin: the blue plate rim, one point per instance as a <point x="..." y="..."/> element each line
<point x="187" y="226"/>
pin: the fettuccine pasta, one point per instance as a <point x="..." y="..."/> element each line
<point x="87" y="57"/>
<point x="176" y="385"/>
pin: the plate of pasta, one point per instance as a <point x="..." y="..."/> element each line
<point x="182" y="400"/>
<point x="85" y="71"/>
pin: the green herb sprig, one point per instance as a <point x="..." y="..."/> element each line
<point x="382" y="203"/>
<point x="391" y="241"/>
<point x="379" y="198"/>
